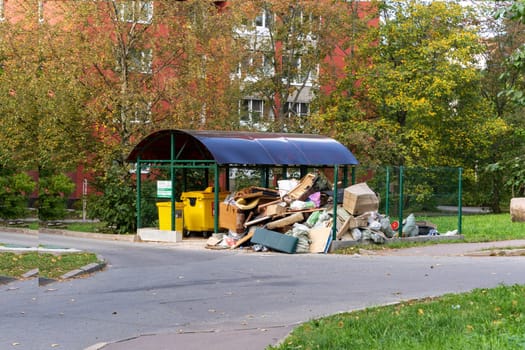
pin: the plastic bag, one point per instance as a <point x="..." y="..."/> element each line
<point x="410" y="228"/>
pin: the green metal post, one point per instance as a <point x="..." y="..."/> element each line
<point x="460" y="203"/>
<point x="353" y="175"/>
<point x="139" y="199"/>
<point x="172" y="180"/>
<point x="387" y="191"/>
<point x="401" y="184"/>
<point x="216" y="200"/>
<point x="345" y="176"/>
<point x="334" y="222"/>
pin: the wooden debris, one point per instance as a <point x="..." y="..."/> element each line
<point x="257" y="220"/>
<point x="319" y="237"/>
<point x="244" y="239"/>
<point x="303" y="189"/>
<point x="287" y="221"/>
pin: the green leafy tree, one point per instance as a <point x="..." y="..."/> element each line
<point x="44" y="127"/>
<point x="425" y="79"/>
<point x="419" y="97"/>
<point x="512" y="91"/>
<point x="501" y="37"/>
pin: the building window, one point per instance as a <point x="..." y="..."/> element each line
<point x="257" y="64"/>
<point x="264" y="19"/>
<point x="136" y="11"/>
<point x="296" y="72"/>
<point x="299" y="109"/>
<point x="304" y="21"/>
<point x="141" y="61"/>
<point x="252" y="111"/>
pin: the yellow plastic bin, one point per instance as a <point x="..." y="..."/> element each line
<point x="164" y="209"/>
<point x="199" y="209"/>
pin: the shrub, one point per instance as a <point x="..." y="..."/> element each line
<point x="14" y="193"/>
<point x="52" y="196"/>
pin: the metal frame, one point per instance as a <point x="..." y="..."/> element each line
<point x="174" y="163"/>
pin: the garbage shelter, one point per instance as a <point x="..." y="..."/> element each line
<point x="218" y="151"/>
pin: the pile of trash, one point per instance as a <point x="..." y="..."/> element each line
<point x="298" y="217"/>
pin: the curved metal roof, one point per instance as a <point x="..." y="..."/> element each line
<point x="243" y="148"/>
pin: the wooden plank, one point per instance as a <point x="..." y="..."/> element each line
<point x="257" y="220"/>
<point x="344" y="228"/>
<point x="244" y="239"/>
<point x="303" y="189"/>
<point x="262" y="206"/>
<point x="289" y="220"/>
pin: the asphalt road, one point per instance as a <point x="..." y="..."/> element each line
<point x="151" y="292"/>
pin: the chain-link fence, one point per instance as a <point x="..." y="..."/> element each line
<point x="424" y="192"/>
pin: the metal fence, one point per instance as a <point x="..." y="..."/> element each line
<point x="425" y="192"/>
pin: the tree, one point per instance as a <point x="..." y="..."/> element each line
<point x="500" y="38"/>
<point x="149" y="65"/>
<point x="43" y="126"/>
<point x="420" y="92"/>
<point x="291" y="52"/>
<point x="509" y="52"/>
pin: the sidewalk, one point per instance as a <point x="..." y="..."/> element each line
<point x="454" y="249"/>
<point x="231" y="339"/>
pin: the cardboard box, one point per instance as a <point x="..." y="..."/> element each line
<point x="275" y="209"/>
<point x="359" y="199"/>
<point x="356" y="222"/>
<point x="231" y="217"/>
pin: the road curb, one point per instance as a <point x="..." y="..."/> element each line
<point x="54" y="231"/>
<point x="86" y="269"/>
<point x="102" y="236"/>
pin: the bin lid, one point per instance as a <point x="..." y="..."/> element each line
<point x="243" y="148"/>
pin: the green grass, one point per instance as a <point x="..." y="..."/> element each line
<point x="481" y="228"/>
<point x="482" y="319"/>
<point x="475" y="228"/>
<point x="49" y="265"/>
<point x="85" y="226"/>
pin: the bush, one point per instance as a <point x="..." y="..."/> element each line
<point x="14" y="193"/>
<point x="115" y="204"/>
<point x="52" y="197"/>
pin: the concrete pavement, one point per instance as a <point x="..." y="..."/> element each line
<point x="236" y="336"/>
<point x="261" y="338"/>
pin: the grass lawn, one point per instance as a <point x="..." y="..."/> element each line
<point x="482" y="319"/>
<point x="475" y="228"/>
<point x="49" y="265"/>
<point x="481" y="228"/>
